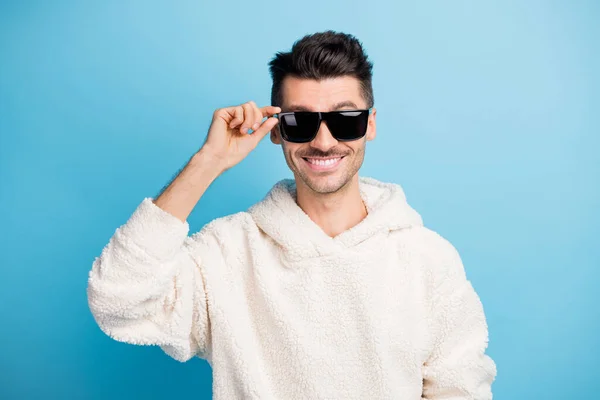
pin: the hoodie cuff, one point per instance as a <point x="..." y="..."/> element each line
<point x="154" y="230"/>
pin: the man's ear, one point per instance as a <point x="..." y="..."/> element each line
<point x="372" y="125"/>
<point x="275" y="136"/>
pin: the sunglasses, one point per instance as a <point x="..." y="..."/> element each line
<point x="302" y="126"/>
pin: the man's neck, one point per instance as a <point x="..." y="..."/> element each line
<point x="334" y="212"/>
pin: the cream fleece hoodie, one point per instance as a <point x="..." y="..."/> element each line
<point x="281" y="310"/>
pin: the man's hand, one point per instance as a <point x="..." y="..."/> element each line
<point x="228" y="141"/>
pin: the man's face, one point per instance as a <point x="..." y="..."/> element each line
<point x="306" y="160"/>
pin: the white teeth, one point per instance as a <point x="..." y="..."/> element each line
<point x="327" y="162"/>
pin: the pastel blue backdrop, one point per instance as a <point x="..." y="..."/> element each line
<point x="488" y="116"/>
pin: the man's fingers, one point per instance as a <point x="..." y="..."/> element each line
<point x="248" y="115"/>
<point x="238" y="117"/>
<point x="268" y="111"/>
<point x="258" y="118"/>
<point x="265" y="128"/>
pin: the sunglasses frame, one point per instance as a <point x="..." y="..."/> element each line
<point x="322" y="118"/>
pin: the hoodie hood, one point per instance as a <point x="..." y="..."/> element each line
<point x="279" y="216"/>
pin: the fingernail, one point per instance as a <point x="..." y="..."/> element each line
<point x="255" y="126"/>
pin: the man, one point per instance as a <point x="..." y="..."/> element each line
<point x="329" y="288"/>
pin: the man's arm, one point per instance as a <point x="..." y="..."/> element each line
<point x="181" y="196"/>
<point x="227" y="143"/>
<point x="148" y="285"/>
<point x="457" y="367"/>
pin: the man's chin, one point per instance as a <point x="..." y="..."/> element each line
<point x="323" y="184"/>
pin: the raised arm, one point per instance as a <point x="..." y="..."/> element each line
<point x="148" y="286"/>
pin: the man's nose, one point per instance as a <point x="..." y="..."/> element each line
<point x="324" y="139"/>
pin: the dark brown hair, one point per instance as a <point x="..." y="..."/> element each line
<point x="323" y="55"/>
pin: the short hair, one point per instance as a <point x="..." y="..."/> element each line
<point x="323" y="55"/>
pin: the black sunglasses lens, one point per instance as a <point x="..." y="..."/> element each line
<point x="299" y="127"/>
<point x="348" y="125"/>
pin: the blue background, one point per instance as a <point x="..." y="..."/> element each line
<point x="488" y="116"/>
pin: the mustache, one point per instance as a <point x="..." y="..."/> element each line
<point x="320" y="154"/>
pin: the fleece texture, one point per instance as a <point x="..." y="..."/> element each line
<point x="283" y="311"/>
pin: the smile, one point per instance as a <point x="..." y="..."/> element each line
<point x="323" y="164"/>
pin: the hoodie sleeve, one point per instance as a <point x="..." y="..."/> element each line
<point x="457" y="367"/>
<point x="147" y="288"/>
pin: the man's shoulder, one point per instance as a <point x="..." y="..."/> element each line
<point x="227" y="229"/>
<point x="238" y="221"/>
<point x="423" y="238"/>
<point x="435" y="251"/>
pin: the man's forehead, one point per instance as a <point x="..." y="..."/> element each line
<point x="322" y="95"/>
<point x="333" y="107"/>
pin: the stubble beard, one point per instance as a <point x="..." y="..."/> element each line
<point x="327" y="183"/>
